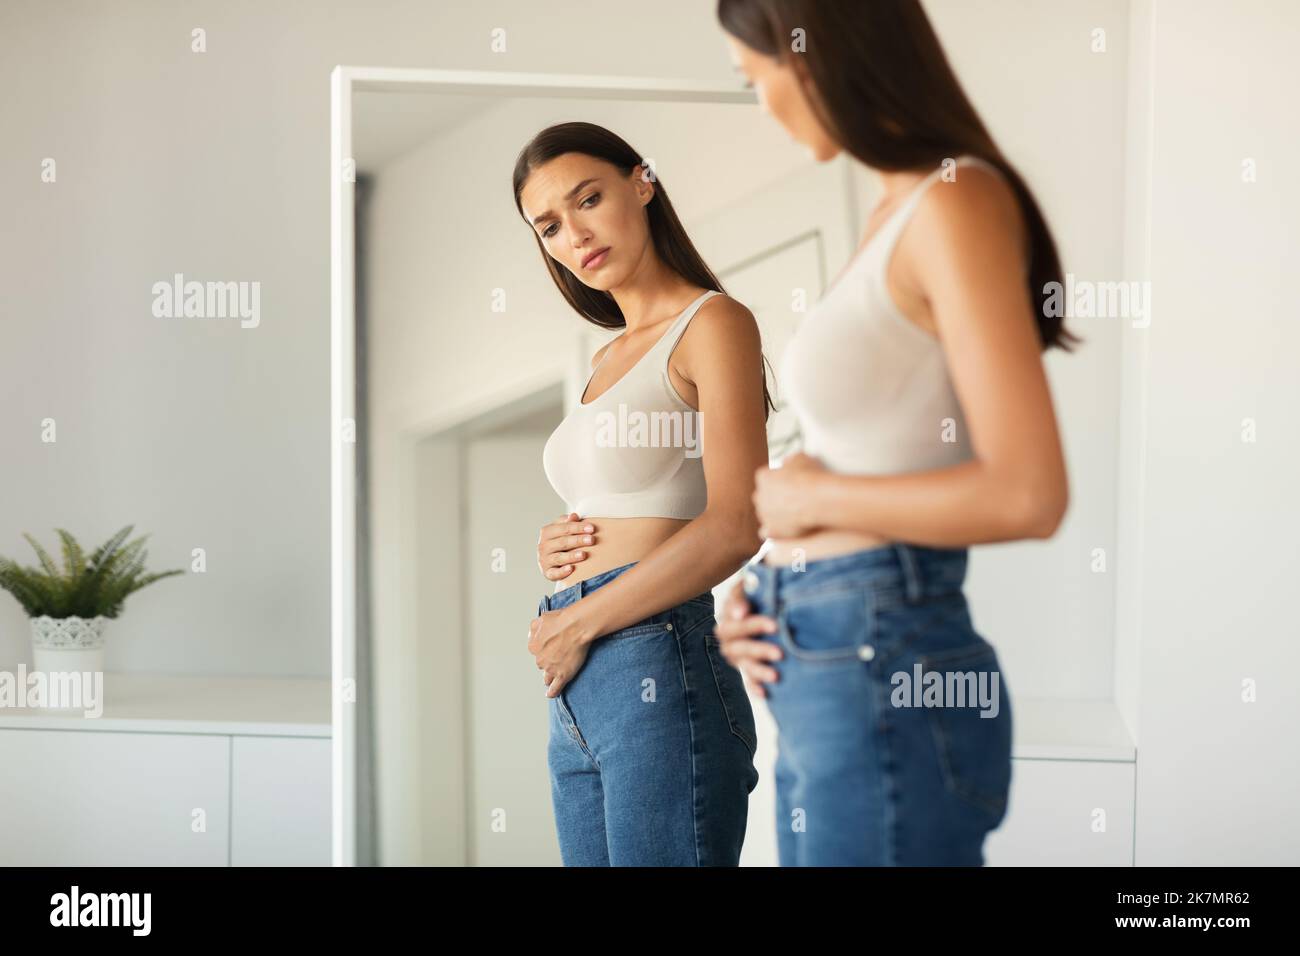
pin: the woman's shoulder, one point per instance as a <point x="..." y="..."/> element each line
<point x="977" y="210"/>
<point x="977" y="198"/>
<point x="723" y="309"/>
<point x="720" y="322"/>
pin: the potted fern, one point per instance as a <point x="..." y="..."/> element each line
<point x="70" y="608"/>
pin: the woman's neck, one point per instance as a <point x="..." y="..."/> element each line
<point x="651" y="296"/>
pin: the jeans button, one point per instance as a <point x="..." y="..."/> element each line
<point x="751" y="582"/>
<point x="866" y="652"/>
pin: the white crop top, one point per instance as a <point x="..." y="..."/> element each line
<point x="634" y="452"/>
<point x="869" y="387"/>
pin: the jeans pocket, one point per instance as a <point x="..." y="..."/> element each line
<point x="732" y="693"/>
<point x="971" y="724"/>
<point x="696" y="619"/>
<point x="831" y="626"/>
<point x="636" y="632"/>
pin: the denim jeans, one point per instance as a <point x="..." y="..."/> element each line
<point x="894" y="722"/>
<point x="651" y="750"/>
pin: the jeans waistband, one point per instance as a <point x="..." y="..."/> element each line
<point x="911" y="572"/>
<point x="574" y="593"/>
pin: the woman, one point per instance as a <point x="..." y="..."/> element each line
<point x="652" y="734"/>
<point x="928" y="422"/>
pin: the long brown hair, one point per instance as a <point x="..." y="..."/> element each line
<point x="672" y="244"/>
<point x="886" y="93"/>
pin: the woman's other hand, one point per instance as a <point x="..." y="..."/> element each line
<point x="558" y="641"/>
<point x="737" y="633"/>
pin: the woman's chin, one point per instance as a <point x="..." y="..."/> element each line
<point x="825" y="152"/>
<point x="601" y="283"/>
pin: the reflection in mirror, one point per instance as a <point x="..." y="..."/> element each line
<point x="468" y="358"/>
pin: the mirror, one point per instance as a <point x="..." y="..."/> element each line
<point x="466" y="358"/>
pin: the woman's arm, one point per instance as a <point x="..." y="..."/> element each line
<point x="721" y="354"/>
<point x="963" y="256"/>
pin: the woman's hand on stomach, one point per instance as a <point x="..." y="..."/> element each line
<point x="781" y="499"/>
<point x="620" y="541"/>
<point x="560" y="545"/>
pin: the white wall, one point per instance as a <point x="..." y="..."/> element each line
<point x="1218" y="779"/>
<point x="510" y="820"/>
<point x="214" y="165"/>
<point x="1058" y="111"/>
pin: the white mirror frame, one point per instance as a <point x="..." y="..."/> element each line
<point x="344" y="81"/>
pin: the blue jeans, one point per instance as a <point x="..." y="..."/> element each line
<point x="894" y="721"/>
<point x="651" y="749"/>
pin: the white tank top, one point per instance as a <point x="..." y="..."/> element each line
<point x="869" y="387"/>
<point x="634" y="452"/>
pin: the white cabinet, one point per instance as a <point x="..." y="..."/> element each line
<point x="280" y="808"/>
<point x="85" y="798"/>
<point x="1072" y="787"/>
<point x="1066" y="813"/>
<point x="176" y="771"/>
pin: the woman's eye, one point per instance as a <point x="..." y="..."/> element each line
<point x="550" y="230"/>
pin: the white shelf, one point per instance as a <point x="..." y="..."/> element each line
<point x="152" y="703"/>
<point x="1045" y="728"/>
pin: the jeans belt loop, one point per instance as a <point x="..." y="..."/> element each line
<point x="913" y="585"/>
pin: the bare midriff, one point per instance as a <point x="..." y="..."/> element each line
<point x="619" y="541"/>
<point x="826" y="543"/>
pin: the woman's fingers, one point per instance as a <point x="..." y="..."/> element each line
<point x="557" y="558"/>
<point x="565" y="529"/>
<point x="736" y="605"/>
<point x="754" y="682"/>
<point x="732" y="629"/>
<point x="563" y="547"/>
<point x="757" y="671"/>
<point x="560" y="564"/>
<point x="556" y="544"/>
<point x="743" y="651"/>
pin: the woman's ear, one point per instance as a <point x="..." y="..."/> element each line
<point x="643" y="181"/>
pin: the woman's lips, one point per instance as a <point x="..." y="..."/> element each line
<point x="597" y="260"/>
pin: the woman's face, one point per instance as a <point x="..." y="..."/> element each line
<point x="589" y="216"/>
<point x="782" y="96"/>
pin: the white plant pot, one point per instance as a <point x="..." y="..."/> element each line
<point x="68" y="644"/>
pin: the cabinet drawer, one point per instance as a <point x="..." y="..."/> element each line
<point x="1050" y="816"/>
<point x="98" y="798"/>
<point x="281" y="801"/>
